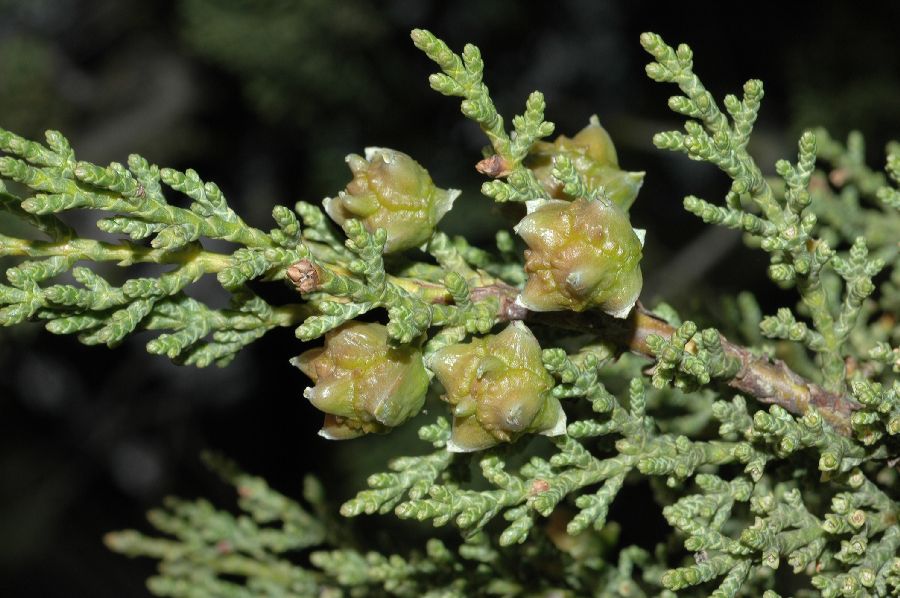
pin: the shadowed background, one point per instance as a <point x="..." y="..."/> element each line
<point x="266" y="98"/>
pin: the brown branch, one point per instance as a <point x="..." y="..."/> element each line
<point x="768" y="381"/>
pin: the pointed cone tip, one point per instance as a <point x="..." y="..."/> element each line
<point x="533" y="205"/>
<point x="452" y="447"/>
<point x="520" y="302"/>
<point x="371" y="151"/>
<point x="444" y="205"/>
<point x="621" y="313"/>
<point x="332" y="208"/>
<point x="559" y="428"/>
<point x="346" y="435"/>
<point x="641" y="235"/>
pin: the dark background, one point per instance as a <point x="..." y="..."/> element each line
<point x="265" y="98"/>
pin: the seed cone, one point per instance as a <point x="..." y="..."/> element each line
<point x="392" y="191"/>
<point x="498" y="388"/>
<point x="362" y="383"/>
<point x="594" y="156"/>
<point x="581" y="254"/>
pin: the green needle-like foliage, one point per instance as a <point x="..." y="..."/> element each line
<point x="780" y="216"/>
<point x="132" y="203"/>
<point x="461" y="76"/>
<point x="774" y="475"/>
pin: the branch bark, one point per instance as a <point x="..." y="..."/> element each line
<point x="768" y="381"/>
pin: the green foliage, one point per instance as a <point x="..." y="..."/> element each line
<point x="462" y="76"/>
<point x="759" y="465"/>
<point x="783" y="223"/>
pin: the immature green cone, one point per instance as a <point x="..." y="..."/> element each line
<point x="362" y="383"/>
<point x="392" y="191"/>
<point x="582" y="254"/>
<point x="594" y="156"/>
<point x="498" y="388"/>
